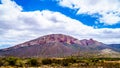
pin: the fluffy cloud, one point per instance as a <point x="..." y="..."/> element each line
<point x="108" y="9"/>
<point x="17" y="26"/>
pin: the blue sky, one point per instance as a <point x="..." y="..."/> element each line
<point x="52" y="5"/>
<point x="23" y="20"/>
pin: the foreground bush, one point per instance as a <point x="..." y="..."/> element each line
<point x="33" y="62"/>
<point x="36" y="62"/>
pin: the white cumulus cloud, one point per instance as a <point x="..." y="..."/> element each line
<point x="108" y="9"/>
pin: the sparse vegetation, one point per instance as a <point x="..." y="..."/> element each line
<point x="60" y="62"/>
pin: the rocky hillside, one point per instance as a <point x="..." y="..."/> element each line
<point x="56" y="45"/>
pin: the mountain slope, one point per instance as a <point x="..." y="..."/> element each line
<point x="55" y="45"/>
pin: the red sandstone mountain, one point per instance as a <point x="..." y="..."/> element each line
<point x="58" y="38"/>
<point x="54" y="45"/>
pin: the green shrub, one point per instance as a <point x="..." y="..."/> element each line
<point x="46" y="61"/>
<point x="33" y="62"/>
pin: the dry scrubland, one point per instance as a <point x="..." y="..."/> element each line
<point x="69" y="62"/>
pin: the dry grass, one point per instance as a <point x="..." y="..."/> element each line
<point x="112" y="61"/>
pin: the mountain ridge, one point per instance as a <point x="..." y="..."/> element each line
<point x="55" y="45"/>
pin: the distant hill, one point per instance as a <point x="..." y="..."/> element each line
<point x="59" y="45"/>
<point x="115" y="47"/>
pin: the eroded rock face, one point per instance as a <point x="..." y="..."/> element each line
<point x="58" y="38"/>
<point x="48" y="39"/>
<point x="53" y="45"/>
